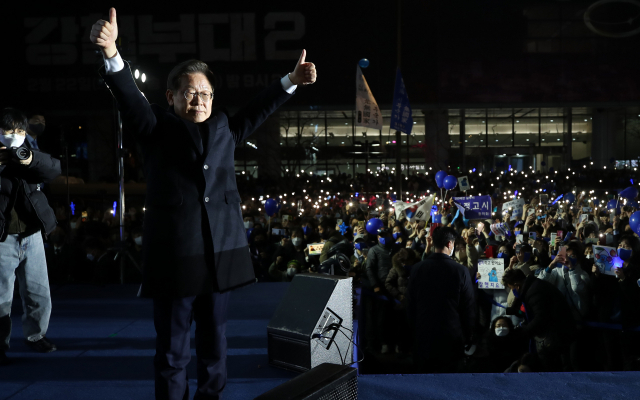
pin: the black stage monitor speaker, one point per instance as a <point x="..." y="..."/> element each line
<point x="324" y="382"/>
<point x="301" y="334"/>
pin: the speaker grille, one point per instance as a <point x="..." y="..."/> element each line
<point x="289" y="353"/>
<point x="347" y="390"/>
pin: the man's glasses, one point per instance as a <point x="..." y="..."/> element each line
<point x="204" y="96"/>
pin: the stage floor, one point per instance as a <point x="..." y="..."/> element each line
<point x="105" y="339"/>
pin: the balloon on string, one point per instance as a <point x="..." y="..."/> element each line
<point x="613" y="203"/>
<point x="633" y="203"/>
<point x="271" y="207"/>
<point x="249" y="231"/>
<point x="440" y="175"/>
<point x="450" y="182"/>
<point x="570" y="197"/>
<point x="629" y="193"/>
<point x="363" y="63"/>
<point x="634" y="222"/>
<point x="374" y="225"/>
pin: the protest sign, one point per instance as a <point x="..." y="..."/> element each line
<point x="490" y="271"/>
<point x="516" y="207"/>
<point x="463" y="183"/>
<point x="606" y="259"/>
<point x="315" y="248"/>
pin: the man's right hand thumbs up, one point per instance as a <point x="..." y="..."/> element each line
<point x="104" y="34"/>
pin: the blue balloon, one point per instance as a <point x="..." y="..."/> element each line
<point x="629" y="193"/>
<point x="450" y="182"/>
<point x="374" y="225"/>
<point x="271" y="207"/>
<point x="249" y="233"/>
<point x="613" y="203"/>
<point x="633" y="204"/>
<point x="440" y="175"/>
<point x="364" y="63"/>
<point x="634" y="222"/>
<point x="570" y="197"/>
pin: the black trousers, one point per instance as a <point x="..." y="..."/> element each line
<point x="172" y="320"/>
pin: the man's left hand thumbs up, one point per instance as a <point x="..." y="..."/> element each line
<point x="305" y="72"/>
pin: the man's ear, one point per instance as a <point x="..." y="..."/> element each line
<point x="169" y="95"/>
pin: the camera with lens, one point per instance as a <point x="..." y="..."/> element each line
<point x="20" y="153"/>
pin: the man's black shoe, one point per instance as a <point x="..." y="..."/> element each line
<point x="4" y="360"/>
<point x="42" y="346"/>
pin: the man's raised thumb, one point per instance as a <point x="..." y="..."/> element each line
<point x="302" y="56"/>
<point x="112" y="16"/>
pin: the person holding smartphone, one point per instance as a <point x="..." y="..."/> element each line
<point x="566" y="274"/>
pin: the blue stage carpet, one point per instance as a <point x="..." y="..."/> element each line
<point x="105" y="337"/>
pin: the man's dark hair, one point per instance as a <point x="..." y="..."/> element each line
<point x="12" y="118"/>
<point x="186" y="68"/>
<point x="442" y="236"/>
<point x="328" y="225"/>
<point x="513" y="277"/>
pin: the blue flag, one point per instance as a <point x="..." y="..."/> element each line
<point x="401" y="119"/>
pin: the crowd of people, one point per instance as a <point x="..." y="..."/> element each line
<point x="83" y="247"/>
<point x="557" y="310"/>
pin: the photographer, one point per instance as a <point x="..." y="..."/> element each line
<point x="24" y="215"/>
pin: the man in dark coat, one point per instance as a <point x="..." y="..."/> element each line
<point x="441" y="307"/>
<point x="548" y="318"/>
<point x="195" y="249"/>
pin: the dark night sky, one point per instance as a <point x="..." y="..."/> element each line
<point x="453" y="52"/>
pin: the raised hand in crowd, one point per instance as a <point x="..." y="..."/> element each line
<point x="559" y="259"/>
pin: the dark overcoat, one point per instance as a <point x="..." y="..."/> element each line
<point x="194" y="238"/>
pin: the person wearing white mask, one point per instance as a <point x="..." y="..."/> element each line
<point x="504" y="344"/>
<point x="287" y="250"/>
<point x="292" y="269"/>
<point x="248" y="222"/>
<point x="26" y="215"/>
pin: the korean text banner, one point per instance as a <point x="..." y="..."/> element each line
<point x="474" y="207"/>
